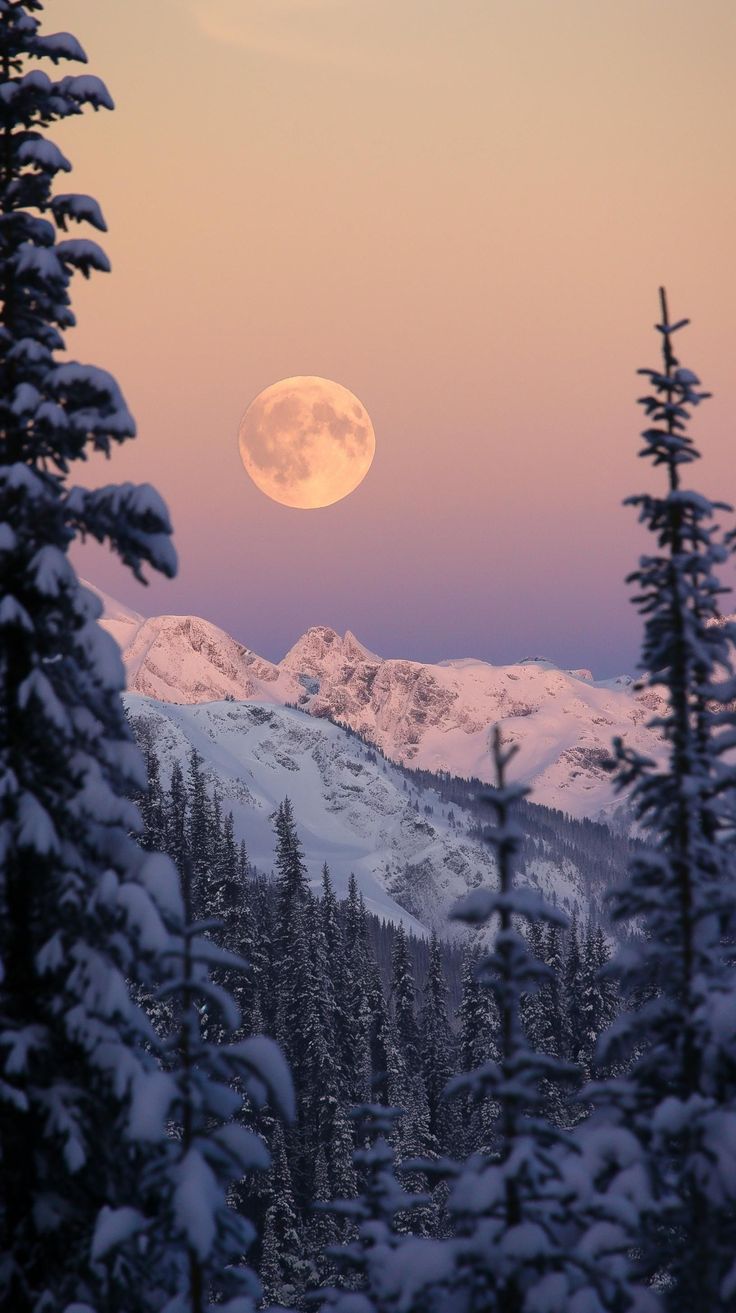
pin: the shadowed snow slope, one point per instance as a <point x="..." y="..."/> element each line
<point x="353" y="810"/>
<point x="436" y="717"/>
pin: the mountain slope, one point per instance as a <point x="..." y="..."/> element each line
<point x="413" y="852"/>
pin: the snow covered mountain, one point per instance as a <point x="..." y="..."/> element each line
<point x="180" y="658"/>
<point x="436" y="717"/>
<point x="412" y="852"/>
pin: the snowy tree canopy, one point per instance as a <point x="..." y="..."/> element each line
<point x="680" y="1035"/>
<point x="83" y="909"/>
<point x="536" y="1226"/>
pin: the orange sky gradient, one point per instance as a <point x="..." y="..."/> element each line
<point x="460" y="210"/>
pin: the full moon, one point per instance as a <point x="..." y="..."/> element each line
<point x="306" y="442"/>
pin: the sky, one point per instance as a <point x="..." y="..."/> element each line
<point x="461" y="210"/>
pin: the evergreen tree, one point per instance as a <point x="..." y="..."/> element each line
<point x="532" y="1233"/>
<point x="176" y="844"/>
<point x="478" y="1025"/>
<point x="322" y="1230"/>
<point x="550" y="1028"/>
<point x="336" y="984"/>
<point x="681" y="1090"/>
<point x="231" y="889"/>
<point x="405" y="1081"/>
<point x="284" y="1269"/>
<point x="228" y="897"/>
<point x="396" y="1088"/>
<point x="392" y="1272"/>
<point x="297" y="1024"/>
<point x="78" y="896"/>
<point x="364" y="1058"/>
<point x="353" y="924"/>
<point x="532" y="1012"/>
<point x="293" y="974"/>
<point x="598" y="998"/>
<point x="552" y="989"/>
<point x="243" y="863"/>
<point x="217" y="835"/>
<point x="307" y="1013"/>
<point x="265" y="960"/>
<point x="227" y="893"/>
<point x="573" y="1037"/>
<point x="290" y="866"/>
<point x="403" y="994"/>
<point x="436" y="1045"/>
<point x="151" y="802"/>
<point x="197" y="1246"/>
<point x="199" y="832"/>
<point x="323" y="1077"/>
<point x="342" y="1169"/>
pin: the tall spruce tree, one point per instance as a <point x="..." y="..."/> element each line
<point x="406" y="1087"/>
<point x="291" y="946"/>
<point x="436" y="1046"/>
<point x="151" y="803"/>
<point x="572" y="983"/>
<point x="176" y="844"/>
<point x="284" y="1269"/>
<point x="364" y="1058"/>
<point x="77" y="894"/>
<point x="403" y="994"/>
<point x="478" y="1036"/>
<point x="680" y="1092"/>
<point x="533" y="1232"/>
<point x="205" y="1095"/>
<point x="549" y="1030"/>
<point x="290" y="866"/>
<point x="200" y="832"/>
<point x="336" y="970"/>
<point x="598" y="998"/>
<point x="323" y="1075"/>
<point x="306" y="1017"/>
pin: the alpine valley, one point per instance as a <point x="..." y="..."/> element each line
<point x="383" y="758"/>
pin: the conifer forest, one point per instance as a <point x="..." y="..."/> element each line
<point x="227" y="1086"/>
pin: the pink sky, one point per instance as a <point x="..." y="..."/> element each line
<point x="461" y="211"/>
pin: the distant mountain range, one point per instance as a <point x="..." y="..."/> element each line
<point x="370" y="750"/>
<point x="435" y="717"/>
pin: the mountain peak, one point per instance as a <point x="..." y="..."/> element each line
<point x="355" y="650"/>
<point x="320" y="645"/>
<point x="436" y="716"/>
<point x="310" y="651"/>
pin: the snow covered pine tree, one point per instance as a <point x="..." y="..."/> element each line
<point x="681" y="1090"/>
<point x="194" y="1251"/>
<point x="77" y="893"/>
<point x="393" y="1272"/>
<point x="535" y="1233"/>
<point x="83" y="909"/>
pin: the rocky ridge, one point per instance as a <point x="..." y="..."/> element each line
<point x="433" y="716"/>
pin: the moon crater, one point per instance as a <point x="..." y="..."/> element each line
<point x="306" y="442"/>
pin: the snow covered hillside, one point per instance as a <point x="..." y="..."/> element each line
<point x="436" y="717"/>
<point x="412" y="853"/>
